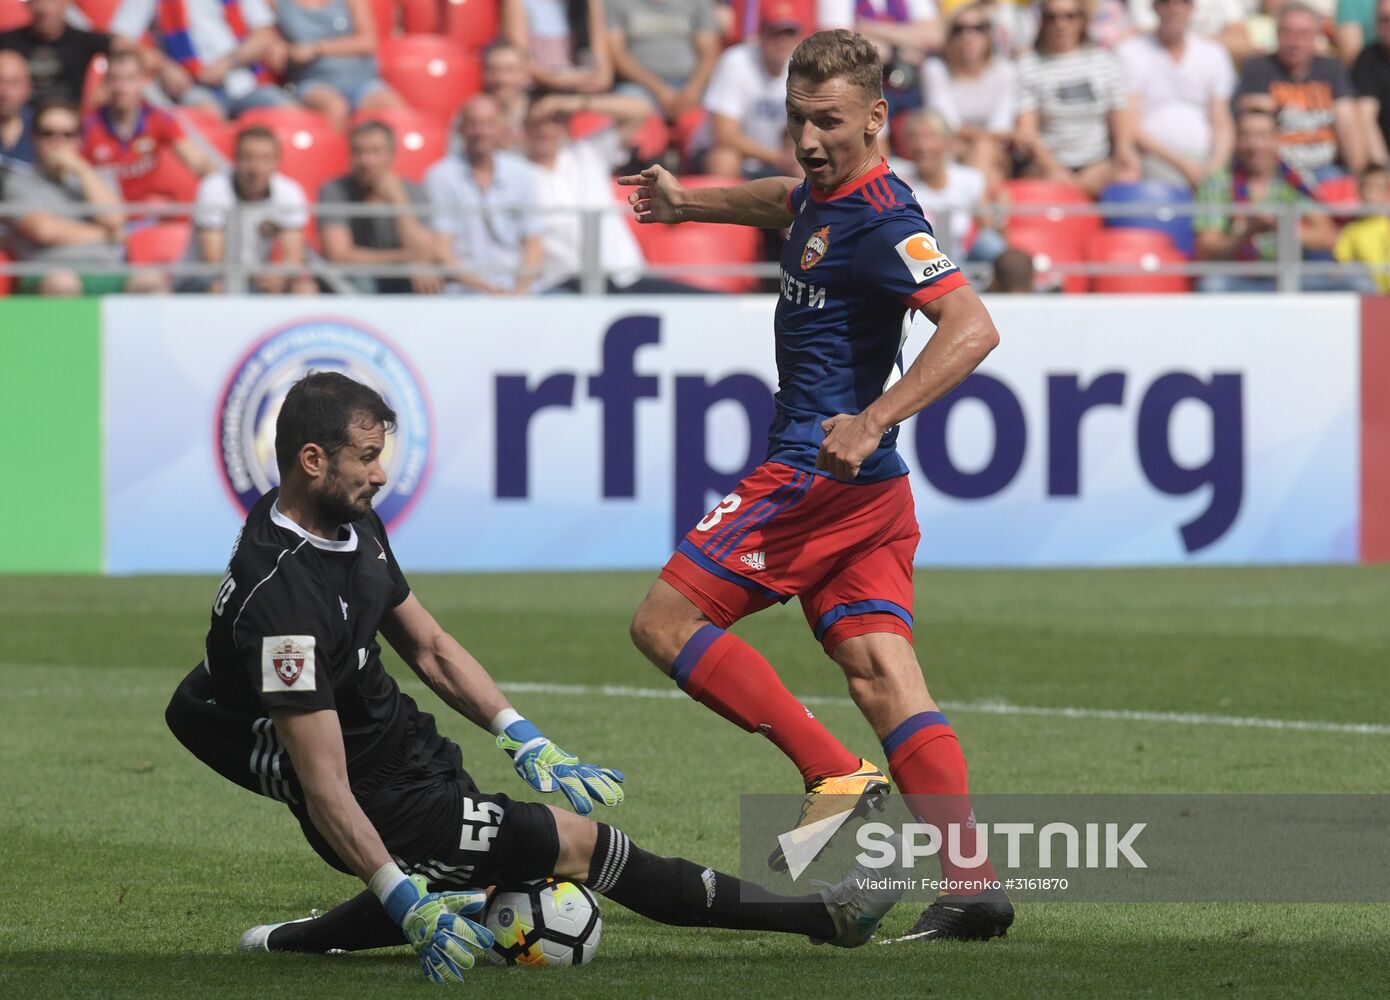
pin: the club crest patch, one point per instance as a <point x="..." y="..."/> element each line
<point x="287" y="663"/>
<point x="816" y="246"/>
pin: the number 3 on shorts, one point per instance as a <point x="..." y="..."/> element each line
<point x="726" y="506"/>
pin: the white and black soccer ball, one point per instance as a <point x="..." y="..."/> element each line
<point x="546" y="922"/>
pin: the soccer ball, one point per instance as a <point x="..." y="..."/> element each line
<point x="546" y="922"/>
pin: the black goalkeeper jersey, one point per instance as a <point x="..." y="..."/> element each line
<point x="294" y="625"/>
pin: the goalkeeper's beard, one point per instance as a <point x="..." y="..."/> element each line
<point x="336" y="505"/>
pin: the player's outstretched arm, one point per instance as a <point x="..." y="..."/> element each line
<point x="434" y="923"/>
<point x="465" y="686"/>
<point x="659" y="197"/>
<point x="964" y="336"/>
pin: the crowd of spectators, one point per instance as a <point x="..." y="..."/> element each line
<point x="1225" y="103"/>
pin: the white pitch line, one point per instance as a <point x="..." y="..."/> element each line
<point x="998" y="708"/>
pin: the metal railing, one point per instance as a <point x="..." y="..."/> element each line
<point x="1289" y="270"/>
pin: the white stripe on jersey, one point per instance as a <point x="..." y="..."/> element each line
<point x="257" y="587"/>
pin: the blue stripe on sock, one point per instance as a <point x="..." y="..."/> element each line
<point x="695" y="647"/>
<point x="869" y="607"/>
<point x="710" y="566"/>
<point x="905" y="729"/>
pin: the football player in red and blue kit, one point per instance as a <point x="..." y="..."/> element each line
<point x="829" y="516"/>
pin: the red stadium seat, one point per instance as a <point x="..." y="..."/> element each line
<point x="384" y="16"/>
<point x="702" y="243"/>
<point x="687" y="129"/>
<point x="172" y="181"/>
<point x="420" y="17"/>
<point x="6" y="280"/>
<point x="207" y="123"/>
<point x="471" y="23"/>
<point x="652" y="139"/>
<point x="430" y="72"/>
<point x="99" y="12"/>
<point x="586" y="123"/>
<point x="421" y="141"/>
<point x="1054" y="195"/>
<point x="13" y="14"/>
<point x="311" y="150"/>
<point x="289" y="116"/>
<point x="1048" y="249"/>
<point x="1146" y="248"/>
<point x="161" y="243"/>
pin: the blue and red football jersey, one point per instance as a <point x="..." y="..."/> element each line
<point x="856" y="262"/>
<point x="131" y="159"/>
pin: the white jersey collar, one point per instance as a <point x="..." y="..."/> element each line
<point x="348" y="544"/>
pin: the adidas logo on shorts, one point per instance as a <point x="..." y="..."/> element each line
<point x="754" y="561"/>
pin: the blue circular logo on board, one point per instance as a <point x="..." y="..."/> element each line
<point x="257" y="385"/>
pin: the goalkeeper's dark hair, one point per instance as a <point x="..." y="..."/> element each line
<point x="319" y="409"/>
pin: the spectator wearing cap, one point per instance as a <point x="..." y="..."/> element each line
<point x="1256" y="176"/>
<point x="269" y="209"/>
<point x="331" y="57"/>
<point x="1073" y="122"/>
<point x="565" y="41"/>
<point x="1371" y="76"/>
<point x="208" y="52"/>
<point x="484" y="205"/>
<point x="973" y="90"/>
<point x="747" y="99"/>
<point x="400" y="237"/>
<point x="664" y="50"/>
<point x="127" y="136"/>
<point x="59" y="55"/>
<point x="16" y="117"/>
<point x="1309" y="95"/>
<point x="1180" y="86"/>
<point x="575" y="176"/>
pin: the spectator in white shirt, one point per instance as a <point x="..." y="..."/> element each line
<point x="973" y="90"/>
<point x="575" y="180"/>
<point x="747" y="99"/>
<point x="1180" y="87"/>
<point x="270" y="209"/>
<point x="1072" y="119"/>
<point x="950" y="193"/>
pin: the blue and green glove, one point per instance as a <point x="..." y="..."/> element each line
<point x="435" y="923"/>
<point x="545" y="767"/>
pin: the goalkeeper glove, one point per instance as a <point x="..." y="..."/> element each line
<point x="546" y="767"/>
<point x="435" y="923"/>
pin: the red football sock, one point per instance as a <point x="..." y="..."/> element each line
<point x="926" y="761"/>
<point x="724" y="673"/>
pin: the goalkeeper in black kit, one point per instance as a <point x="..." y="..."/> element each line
<point x="292" y="702"/>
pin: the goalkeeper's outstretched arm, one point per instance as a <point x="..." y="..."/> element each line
<point x="658" y="197"/>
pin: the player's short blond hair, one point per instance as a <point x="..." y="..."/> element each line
<point x="839" y="54"/>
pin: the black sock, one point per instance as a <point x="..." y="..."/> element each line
<point x="356" y="925"/>
<point x="677" y="891"/>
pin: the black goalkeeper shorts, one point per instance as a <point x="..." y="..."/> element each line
<point x="435" y="821"/>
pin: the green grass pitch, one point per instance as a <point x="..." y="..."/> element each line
<point x="126" y="869"/>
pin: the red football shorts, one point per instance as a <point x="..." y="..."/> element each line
<point x="845" y="549"/>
